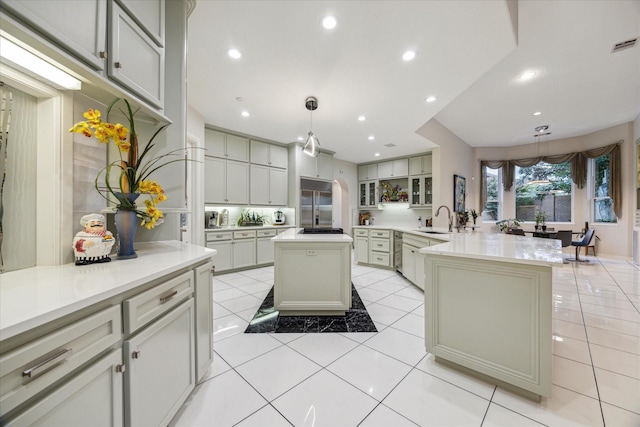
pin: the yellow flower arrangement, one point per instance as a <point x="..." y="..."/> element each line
<point x="134" y="169"/>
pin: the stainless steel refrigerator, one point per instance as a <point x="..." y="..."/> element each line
<point x="315" y="204"/>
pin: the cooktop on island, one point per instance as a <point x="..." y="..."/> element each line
<point x="321" y="231"/>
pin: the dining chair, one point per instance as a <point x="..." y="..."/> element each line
<point x="582" y="243"/>
<point x="565" y="236"/>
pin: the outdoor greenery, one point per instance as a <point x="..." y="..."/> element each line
<point x="538" y="189"/>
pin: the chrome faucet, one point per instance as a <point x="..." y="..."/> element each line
<point x="449" y="216"/>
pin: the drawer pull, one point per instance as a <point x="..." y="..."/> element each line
<point x="379" y="245"/>
<point x="166" y="297"/>
<point x="45" y="365"/>
<point x="121" y="368"/>
<point x="135" y="355"/>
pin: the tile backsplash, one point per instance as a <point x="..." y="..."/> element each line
<point x="399" y="214"/>
<point x="266" y="212"/>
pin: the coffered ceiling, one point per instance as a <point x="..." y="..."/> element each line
<point x="469" y="56"/>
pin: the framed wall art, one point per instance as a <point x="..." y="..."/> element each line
<point x="459" y="191"/>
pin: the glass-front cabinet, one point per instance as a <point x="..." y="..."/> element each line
<point x="421" y="190"/>
<point x="367" y="194"/>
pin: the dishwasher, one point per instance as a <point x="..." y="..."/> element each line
<point x="397" y="251"/>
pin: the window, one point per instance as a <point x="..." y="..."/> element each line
<point x="493" y="187"/>
<point x="602" y="203"/>
<point x="545" y="188"/>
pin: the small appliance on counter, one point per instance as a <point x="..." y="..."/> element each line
<point x="211" y="219"/>
<point x="279" y="218"/>
<point x="224" y="219"/>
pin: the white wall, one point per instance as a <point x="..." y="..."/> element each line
<point x="615" y="239"/>
<point x="452" y="157"/>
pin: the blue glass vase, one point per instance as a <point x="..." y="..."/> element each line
<point x="126" y="227"/>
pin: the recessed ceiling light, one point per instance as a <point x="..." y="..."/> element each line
<point x="329" y="22"/>
<point x="245" y="114"/>
<point x="431" y="99"/>
<point x="537" y="113"/>
<point x="527" y="75"/>
<point x="371" y="137"/>
<point x="300" y="138"/>
<point x="362" y="118"/>
<point x="377" y="154"/>
<point x="409" y="55"/>
<point x="234" y="53"/>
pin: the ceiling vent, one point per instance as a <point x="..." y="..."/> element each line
<point x="390" y="145"/>
<point x="623" y="45"/>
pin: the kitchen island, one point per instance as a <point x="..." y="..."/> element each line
<point x="312" y="273"/>
<point x="488" y="307"/>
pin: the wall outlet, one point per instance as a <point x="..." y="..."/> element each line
<point x="311" y="252"/>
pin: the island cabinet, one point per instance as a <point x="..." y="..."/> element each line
<point x="125" y="347"/>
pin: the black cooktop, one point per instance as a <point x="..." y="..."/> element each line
<point x="322" y="231"/>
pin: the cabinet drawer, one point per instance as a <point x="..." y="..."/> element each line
<point x="362" y="233"/>
<point x="217" y="235"/>
<point x="249" y="234"/>
<point x="379" y="258"/>
<point x="267" y="233"/>
<point x="29" y="369"/>
<point x="143" y="308"/>
<point x="380" y="233"/>
<point x="380" y="245"/>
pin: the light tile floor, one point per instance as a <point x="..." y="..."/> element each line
<point x="387" y="379"/>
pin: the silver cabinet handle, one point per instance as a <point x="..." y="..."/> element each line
<point x="117" y="65"/>
<point x="135" y="355"/>
<point x="166" y="297"/>
<point x="121" y="368"/>
<point x="103" y="54"/>
<point x="45" y="365"/>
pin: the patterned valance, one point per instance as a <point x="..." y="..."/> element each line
<point x="578" y="171"/>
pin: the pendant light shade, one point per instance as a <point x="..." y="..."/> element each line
<point x="312" y="145"/>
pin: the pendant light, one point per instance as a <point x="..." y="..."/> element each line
<point x="312" y="146"/>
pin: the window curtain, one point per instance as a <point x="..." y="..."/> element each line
<point x="578" y="171"/>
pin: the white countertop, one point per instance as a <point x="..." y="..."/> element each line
<point x="253" y="227"/>
<point x="293" y="235"/>
<point x="34" y="296"/>
<point x="500" y="247"/>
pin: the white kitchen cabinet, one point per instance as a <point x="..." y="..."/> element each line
<point x="86" y="37"/>
<point x="409" y="262"/>
<point x="269" y="154"/>
<point x="393" y="168"/>
<point x="203" y="318"/>
<point x="368" y="194"/>
<point x="380" y="247"/>
<point x="361" y="239"/>
<point x="421" y="190"/>
<point x="244" y="250"/>
<point x="160" y="371"/>
<point x="92" y="398"/>
<point x="224" y="257"/>
<point x="317" y="167"/>
<point x="420" y="165"/>
<point x="368" y="172"/>
<point x="150" y="15"/>
<point x="226" y="181"/>
<point x="264" y="246"/>
<point x="227" y="146"/>
<point x="269" y="186"/>
<point x="135" y="60"/>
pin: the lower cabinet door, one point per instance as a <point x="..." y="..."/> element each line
<point x="409" y="262"/>
<point x="204" y="319"/>
<point x="362" y="250"/>
<point x="160" y="368"/>
<point x="244" y="253"/>
<point x="264" y="251"/>
<point x="223" y="259"/>
<point x="92" y="398"/>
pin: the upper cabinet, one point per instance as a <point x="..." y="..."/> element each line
<point x="317" y="167"/>
<point x="219" y="144"/>
<point x="86" y="37"/>
<point x="135" y="59"/>
<point x="367" y="172"/>
<point x="393" y="168"/>
<point x="269" y="154"/>
<point x="122" y="40"/>
<point x="420" y="165"/>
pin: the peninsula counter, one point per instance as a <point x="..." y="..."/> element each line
<point x="488" y="306"/>
<point x="312" y="273"/>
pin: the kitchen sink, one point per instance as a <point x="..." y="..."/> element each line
<point x="430" y="232"/>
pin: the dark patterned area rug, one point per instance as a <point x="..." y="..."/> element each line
<point x="267" y="319"/>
